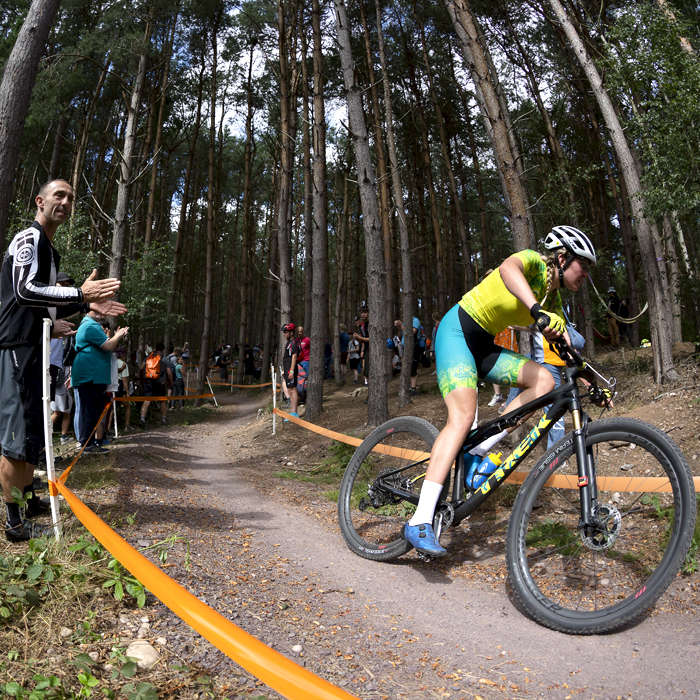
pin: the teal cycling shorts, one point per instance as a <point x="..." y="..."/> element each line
<point x="465" y="353"/>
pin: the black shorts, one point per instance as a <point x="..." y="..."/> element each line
<point x="152" y="387"/>
<point x="354" y="362"/>
<point x="291" y="382"/>
<point x="21" y="414"/>
<point x="417" y="357"/>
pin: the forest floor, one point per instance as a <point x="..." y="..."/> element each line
<point x="259" y="522"/>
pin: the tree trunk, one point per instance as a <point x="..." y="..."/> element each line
<point x="308" y="196"/>
<point x="377" y="408"/>
<point x="285" y="177"/>
<point x="660" y="314"/>
<point x="248" y="234"/>
<point x="381" y="167"/>
<point x="176" y="273"/>
<point x="211" y="232"/>
<point x="81" y="150"/>
<point x="121" y="216"/>
<point x="454" y="190"/>
<point x="494" y="120"/>
<point x="343" y="223"/>
<point x="406" y="274"/>
<point x="159" y="131"/>
<point x="15" y="95"/>
<point x="319" y="326"/>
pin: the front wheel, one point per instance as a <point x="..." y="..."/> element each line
<point x="371" y="517"/>
<point x="586" y="581"/>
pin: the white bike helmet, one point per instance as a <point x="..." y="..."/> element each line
<point x="575" y="241"/>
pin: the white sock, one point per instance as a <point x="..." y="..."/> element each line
<point x="429" y="495"/>
<point x="482" y="448"/>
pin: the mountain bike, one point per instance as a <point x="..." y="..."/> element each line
<point x="599" y="528"/>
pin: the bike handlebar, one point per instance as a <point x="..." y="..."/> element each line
<point x="573" y="358"/>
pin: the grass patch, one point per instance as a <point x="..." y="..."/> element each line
<point x="93" y="472"/>
<point x="329" y="471"/>
<point x="551" y="533"/>
<point x="76" y="585"/>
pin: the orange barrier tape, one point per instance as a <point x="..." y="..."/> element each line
<point x="618" y="483"/>
<point x="66" y="471"/>
<point x="241" y="386"/>
<point x="162" y="398"/>
<point x="279" y="673"/>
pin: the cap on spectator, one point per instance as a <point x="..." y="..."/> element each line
<point x="63" y="277"/>
<point x="358" y="318"/>
<point x="611" y="289"/>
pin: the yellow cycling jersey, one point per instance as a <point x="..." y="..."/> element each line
<point x="494" y="308"/>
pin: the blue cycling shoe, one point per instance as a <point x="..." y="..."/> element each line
<point x="423" y="539"/>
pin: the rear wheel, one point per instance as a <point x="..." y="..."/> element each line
<point x="371" y="518"/>
<point x="598" y="579"/>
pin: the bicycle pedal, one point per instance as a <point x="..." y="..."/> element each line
<point x="425" y="557"/>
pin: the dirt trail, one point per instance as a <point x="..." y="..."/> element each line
<point x="397" y="630"/>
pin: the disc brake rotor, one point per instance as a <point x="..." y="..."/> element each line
<point x="605" y="532"/>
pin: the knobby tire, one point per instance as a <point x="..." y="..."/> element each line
<point x="370" y="518"/>
<point x="599" y="581"/>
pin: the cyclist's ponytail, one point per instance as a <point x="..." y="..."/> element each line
<point x="551" y="260"/>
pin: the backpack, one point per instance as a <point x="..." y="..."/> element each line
<point x="419" y="338"/>
<point x="152" y="366"/>
<point x="301" y="383"/>
<point x="68" y="351"/>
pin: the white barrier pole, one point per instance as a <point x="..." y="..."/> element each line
<point x="114" y="411"/>
<point x="48" y="426"/>
<point x="274" y="398"/>
<point x="212" y="391"/>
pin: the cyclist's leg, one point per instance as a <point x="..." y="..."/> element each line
<point x="558" y="430"/>
<point x="457" y="379"/>
<point x="532" y="378"/>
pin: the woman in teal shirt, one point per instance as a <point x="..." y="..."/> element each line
<point x="92" y="372"/>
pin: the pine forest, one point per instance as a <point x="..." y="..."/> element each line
<point x="243" y="165"/>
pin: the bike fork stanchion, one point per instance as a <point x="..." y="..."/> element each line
<point x="582" y="467"/>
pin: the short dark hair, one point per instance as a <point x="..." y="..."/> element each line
<point x="45" y="186"/>
<point x="160" y="347"/>
<point x="364" y="308"/>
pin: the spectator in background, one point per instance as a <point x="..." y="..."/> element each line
<point x="178" y="381"/>
<point x="344" y="340"/>
<point x="304" y="346"/>
<point x="614" y="307"/>
<point x="28" y="295"/>
<point x="354" y="357"/>
<point x="249" y="363"/>
<point x="222" y="363"/>
<point x="289" y="364"/>
<point x="186" y="353"/>
<point x="62" y="401"/>
<point x="505" y="339"/>
<point x="123" y="388"/>
<point x="101" y="433"/>
<point x="624" y="313"/>
<point x="362" y="335"/>
<point x="418" y="349"/>
<point x="92" y="373"/>
<point x="157" y="377"/>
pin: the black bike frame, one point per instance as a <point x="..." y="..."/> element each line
<point x="565" y="398"/>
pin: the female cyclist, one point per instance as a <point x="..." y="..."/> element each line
<point x="523" y="288"/>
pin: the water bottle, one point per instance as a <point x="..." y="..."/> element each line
<point x="482" y="472"/>
<point x="471" y="463"/>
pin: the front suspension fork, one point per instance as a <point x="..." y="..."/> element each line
<point x="587" y="486"/>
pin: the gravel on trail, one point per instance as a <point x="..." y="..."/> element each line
<point x="275" y="564"/>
